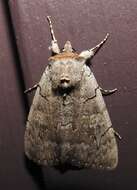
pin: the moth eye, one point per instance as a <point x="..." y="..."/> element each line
<point x="49" y="64"/>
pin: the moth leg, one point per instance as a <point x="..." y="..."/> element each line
<point x="54" y="44"/>
<point x="117" y="134"/>
<point x="31" y="89"/>
<point x="107" y="92"/>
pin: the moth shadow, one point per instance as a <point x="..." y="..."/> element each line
<point x="65" y="168"/>
<point x="80" y="178"/>
<point x="36" y="173"/>
<point x="17" y="61"/>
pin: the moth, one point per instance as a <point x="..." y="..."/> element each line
<point x="68" y="122"/>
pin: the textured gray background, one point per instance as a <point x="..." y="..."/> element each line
<point x="84" y="23"/>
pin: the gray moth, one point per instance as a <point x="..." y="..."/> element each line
<point x="68" y="122"/>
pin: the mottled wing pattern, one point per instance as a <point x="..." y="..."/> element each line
<point x="98" y="147"/>
<point x="40" y="137"/>
<point x="76" y="130"/>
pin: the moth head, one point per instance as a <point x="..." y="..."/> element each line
<point x="67" y="66"/>
<point x="86" y="54"/>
